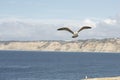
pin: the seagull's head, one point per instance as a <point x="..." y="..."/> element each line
<point x="76" y="33"/>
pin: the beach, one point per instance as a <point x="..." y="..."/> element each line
<point x="104" y="78"/>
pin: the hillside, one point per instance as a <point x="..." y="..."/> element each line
<point x="90" y="45"/>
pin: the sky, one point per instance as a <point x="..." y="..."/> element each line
<point x="40" y="19"/>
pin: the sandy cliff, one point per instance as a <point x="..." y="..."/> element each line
<point x="93" y="45"/>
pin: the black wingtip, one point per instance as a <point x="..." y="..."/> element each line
<point x="88" y="27"/>
<point x="58" y="29"/>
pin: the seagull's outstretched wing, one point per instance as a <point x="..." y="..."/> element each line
<point x="67" y="29"/>
<point x="84" y="27"/>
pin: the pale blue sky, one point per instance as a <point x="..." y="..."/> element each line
<point x="59" y="9"/>
<point x="34" y="19"/>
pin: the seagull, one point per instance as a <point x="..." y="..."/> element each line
<point x="75" y="34"/>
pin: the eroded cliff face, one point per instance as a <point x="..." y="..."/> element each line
<point x="93" y="45"/>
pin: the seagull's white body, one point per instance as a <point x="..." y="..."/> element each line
<point x="75" y="34"/>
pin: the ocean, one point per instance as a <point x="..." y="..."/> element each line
<point x="37" y="65"/>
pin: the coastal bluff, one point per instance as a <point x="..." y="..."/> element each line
<point x="89" y="45"/>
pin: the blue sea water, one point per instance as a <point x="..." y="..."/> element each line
<point x="36" y="65"/>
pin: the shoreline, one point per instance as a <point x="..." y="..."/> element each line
<point x="104" y="78"/>
<point x="65" y="51"/>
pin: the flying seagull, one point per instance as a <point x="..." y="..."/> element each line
<point x="75" y="34"/>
